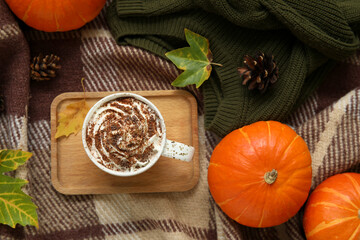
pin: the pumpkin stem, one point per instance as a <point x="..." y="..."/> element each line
<point x="359" y="213"/>
<point x="270" y="177"/>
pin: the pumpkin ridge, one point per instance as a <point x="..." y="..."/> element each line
<point x="238" y="194"/>
<point x="288" y="147"/>
<point x="215" y="164"/>
<point x="242" y="212"/>
<point x="70" y="3"/>
<point x="263" y="207"/>
<point x="283" y="202"/>
<point x="355" y="233"/>
<point x="235" y="170"/>
<point x="226" y="201"/>
<point x="293" y="200"/>
<point x="225" y="163"/>
<point x="56" y="22"/>
<point x="294" y="157"/>
<point x="269" y="140"/>
<point x="246" y="136"/>
<point x="329" y="204"/>
<point x="58" y="28"/>
<point x="269" y="131"/>
<point x="286" y="212"/>
<point x="294" y="173"/>
<point x="354" y="183"/>
<point x="342" y="196"/>
<point x="294" y="169"/>
<point x="23" y="18"/>
<point x="294" y="188"/>
<point x="323" y="225"/>
<point x="279" y="136"/>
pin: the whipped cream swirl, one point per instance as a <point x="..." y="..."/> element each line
<point x="124" y="134"/>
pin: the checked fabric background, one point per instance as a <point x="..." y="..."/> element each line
<point x="328" y="121"/>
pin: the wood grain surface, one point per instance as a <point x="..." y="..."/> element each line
<point x="72" y="172"/>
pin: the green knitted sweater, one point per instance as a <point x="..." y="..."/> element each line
<point x="304" y="37"/>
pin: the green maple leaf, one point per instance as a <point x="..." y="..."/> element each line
<point x="195" y="60"/>
<point x="15" y="205"/>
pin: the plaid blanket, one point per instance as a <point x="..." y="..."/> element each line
<point x="328" y="121"/>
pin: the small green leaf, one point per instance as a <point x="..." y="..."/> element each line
<point x="8" y="183"/>
<point x="194" y="60"/>
<point x="15" y="206"/>
<point x="10" y="160"/>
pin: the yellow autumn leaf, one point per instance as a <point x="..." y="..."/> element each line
<point x="71" y="118"/>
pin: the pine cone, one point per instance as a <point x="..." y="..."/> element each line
<point x="259" y="72"/>
<point x="44" y="68"/>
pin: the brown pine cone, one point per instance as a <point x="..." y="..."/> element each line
<point x="259" y="72"/>
<point x="44" y="68"/>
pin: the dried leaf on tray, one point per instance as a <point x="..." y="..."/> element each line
<point x="71" y="118"/>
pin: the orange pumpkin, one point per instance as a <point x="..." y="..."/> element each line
<point x="333" y="209"/>
<point x="56" y="15"/>
<point x="260" y="174"/>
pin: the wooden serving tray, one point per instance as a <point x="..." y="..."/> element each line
<point x="72" y="172"/>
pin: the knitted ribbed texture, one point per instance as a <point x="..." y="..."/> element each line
<point x="302" y="35"/>
<point x="151" y="8"/>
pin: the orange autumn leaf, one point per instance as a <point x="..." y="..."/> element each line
<point x="71" y="118"/>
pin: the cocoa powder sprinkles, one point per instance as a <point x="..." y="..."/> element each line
<point x="124" y="134"/>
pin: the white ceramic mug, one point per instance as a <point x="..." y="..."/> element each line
<point x="169" y="148"/>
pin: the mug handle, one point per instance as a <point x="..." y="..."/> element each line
<point x="178" y="151"/>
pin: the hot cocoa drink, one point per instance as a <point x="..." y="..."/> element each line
<point x="124" y="134"/>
